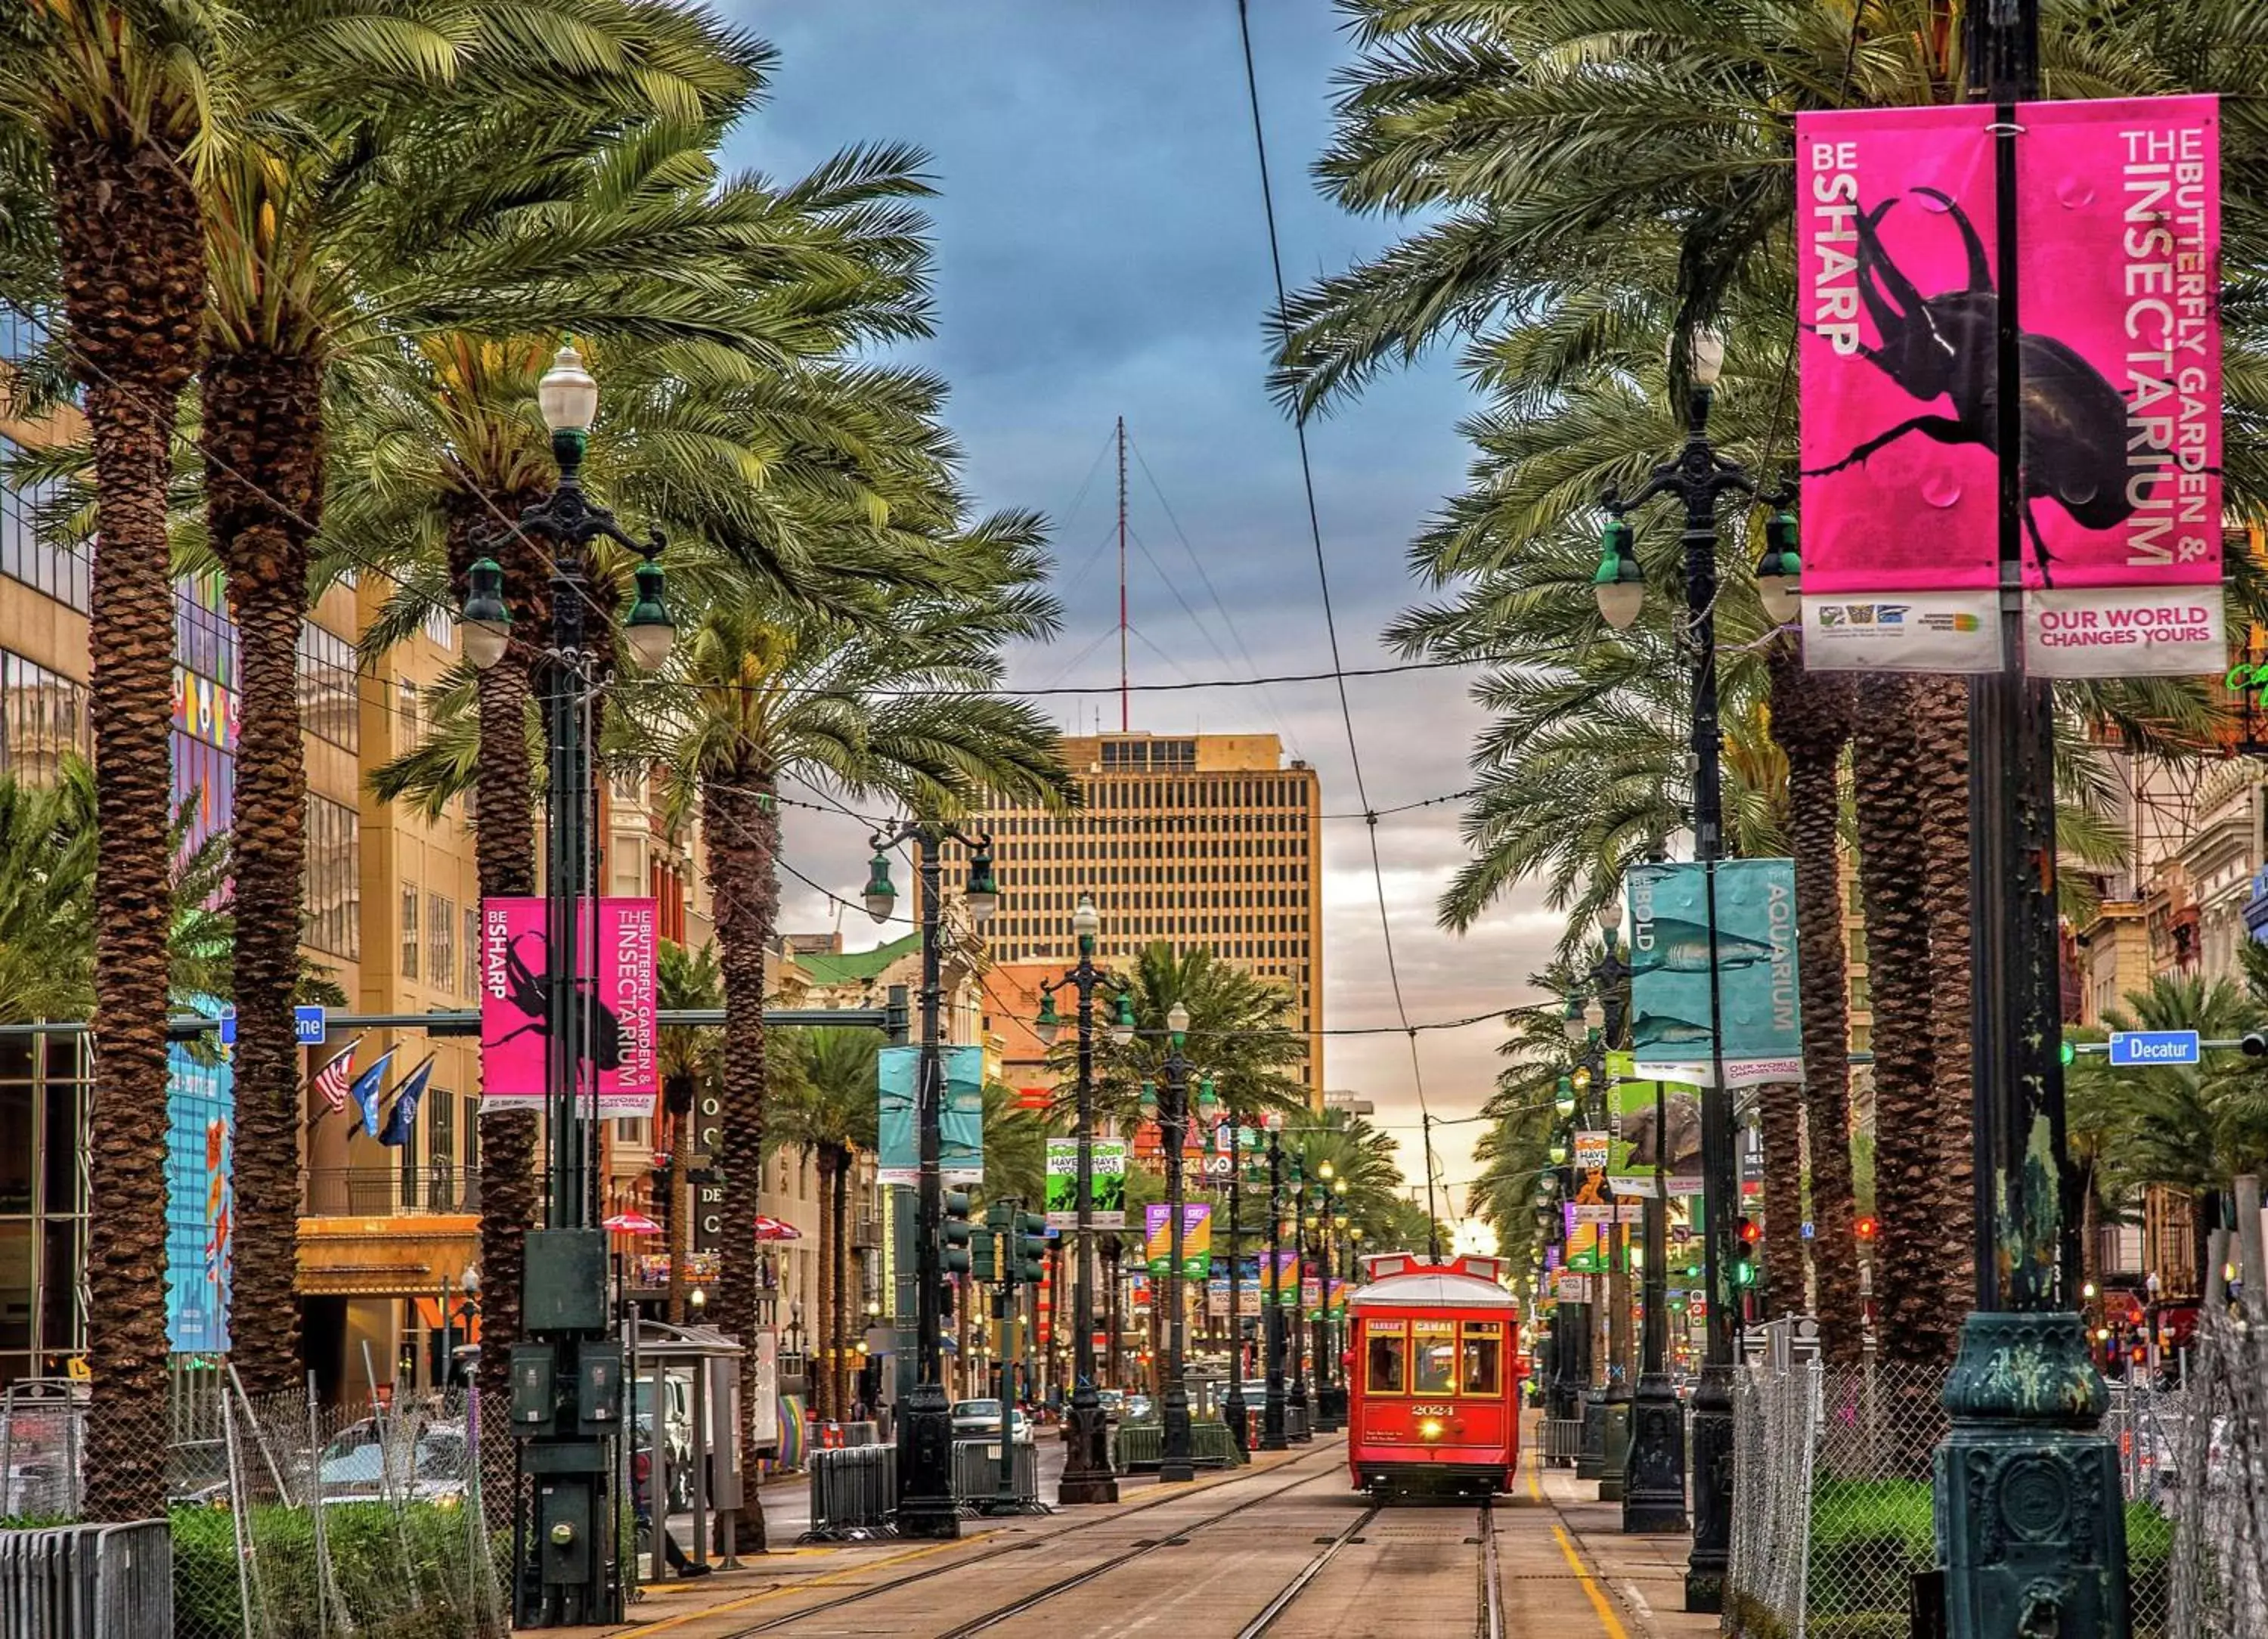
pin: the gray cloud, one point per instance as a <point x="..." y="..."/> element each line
<point x="1102" y="252"/>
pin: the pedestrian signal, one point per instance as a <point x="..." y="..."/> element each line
<point x="1744" y="1253"/>
<point x="1868" y="1228"/>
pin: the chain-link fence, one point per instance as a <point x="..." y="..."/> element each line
<point x="1833" y="1517"/>
<point x="289" y="1519"/>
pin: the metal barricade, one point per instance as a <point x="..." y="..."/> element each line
<point x="854" y="1489"/>
<point x="858" y="1434"/>
<point x="976" y="1478"/>
<point x="87" y="1582"/>
<point x="1137" y="1447"/>
<point x="1563" y="1441"/>
<point x="1296" y="1426"/>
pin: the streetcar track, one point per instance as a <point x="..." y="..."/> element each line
<point x="1146" y="1546"/>
<point x="1489" y="1623"/>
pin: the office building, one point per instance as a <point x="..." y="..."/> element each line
<point x="1191" y="839"/>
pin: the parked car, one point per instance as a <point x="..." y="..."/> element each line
<point x="980" y="1419"/>
<point x="1114" y="1404"/>
<point x="365" y="1465"/>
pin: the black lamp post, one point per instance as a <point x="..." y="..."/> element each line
<point x="1335" y="1228"/>
<point x="1176" y="1460"/>
<point x="1233" y="1406"/>
<point x="1273" y="1405"/>
<point x="1086" y="1476"/>
<point x="925" y="1501"/>
<point x="1696" y="479"/>
<point x="568" y="1578"/>
<point x="1653" y="1477"/>
<point x="1297" y="1402"/>
<point x="1571" y="1322"/>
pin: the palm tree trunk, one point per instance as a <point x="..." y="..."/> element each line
<point x="1942" y="772"/>
<point x="1780" y="1106"/>
<point x="263" y="444"/>
<point x="1914" y="1321"/>
<point x="741" y="830"/>
<point x="1811" y="721"/>
<point x="819" y="1367"/>
<point x="504" y="854"/>
<point x="132" y="269"/>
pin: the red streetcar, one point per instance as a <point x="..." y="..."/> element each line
<point x="1433" y="1390"/>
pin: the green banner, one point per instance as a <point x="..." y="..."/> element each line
<point x="1752" y="911"/>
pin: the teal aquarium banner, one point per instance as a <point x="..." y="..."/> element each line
<point x="1754" y="959"/>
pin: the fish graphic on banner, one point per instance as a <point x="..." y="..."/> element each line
<point x="1755" y="971"/>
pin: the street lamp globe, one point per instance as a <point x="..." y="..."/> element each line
<point x="1594" y="1014"/>
<point x="486" y="619"/>
<point x="982" y="894"/>
<point x="567" y="395"/>
<point x="1708" y="358"/>
<point x="649" y="631"/>
<point x="1779" y="572"/>
<point x="1085" y="921"/>
<point x="1325" y="1171"/>
<point x="1572" y="1020"/>
<point x="1618" y="584"/>
<point x="1610" y="912"/>
<point x="1122" y="1024"/>
<point x="1177" y="1020"/>
<point x="1048" y="1024"/>
<point x="1275" y="1121"/>
<point x="880" y="897"/>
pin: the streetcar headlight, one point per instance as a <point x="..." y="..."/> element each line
<point x="1430" y="1429"/>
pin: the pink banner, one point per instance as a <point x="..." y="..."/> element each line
<point x="1896" y="309"/>
<point x="2117" y="229"/>
<point x="515" y="963"/>
<point x="2118" y="220"/>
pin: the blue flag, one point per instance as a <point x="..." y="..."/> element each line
<point x="405" y="1105"/>
<point x="366" y="1089"/>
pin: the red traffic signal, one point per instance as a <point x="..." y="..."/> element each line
<point x="1868" y="1228"/>
<point x="1751" y="1231"/>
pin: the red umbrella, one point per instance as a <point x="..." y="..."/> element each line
<point x="774" y="1229"/>
<point x="631" y="1223"/>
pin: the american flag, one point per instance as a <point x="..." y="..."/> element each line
<point x="331" y="1080"/>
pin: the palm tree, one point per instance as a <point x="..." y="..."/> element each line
<point x="103" y="118"/>
<point x="304" y="217"/>
<point x="1241" y="1038"/>
<point x="832" y="1113"/>
<point x="690" y="1066"/>
<point x="762" y="691"/>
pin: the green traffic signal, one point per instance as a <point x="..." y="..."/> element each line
<point x="958" y="1232"/>
<point x="1031" y="1249"/>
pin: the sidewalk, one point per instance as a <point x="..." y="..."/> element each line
<point x="1636" y="1584"/>
<point x="711" y="1607"/>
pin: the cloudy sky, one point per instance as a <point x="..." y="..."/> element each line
<point x="1102" y="253"/>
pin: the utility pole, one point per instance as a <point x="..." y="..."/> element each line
<point x="2023" y="1550"/>
<point x="1125" y="709"/>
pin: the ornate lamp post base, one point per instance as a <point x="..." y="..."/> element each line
<point x="1240" y="1418"/>
<point x="1176" y="1459"/>
<point x="1618" y="1442"/>
<point x="1087" y="1475"/>
<point x="1654" y="1487"/>
<point x="1591" y="1457"/>
<point x="925" y="1505"/>
<point x="1296" y="1406"/>
<point x="2031" y="1526"/>
<point x="1712" y="1490"/>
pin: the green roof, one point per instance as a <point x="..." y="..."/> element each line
<point x="827" y="968"/>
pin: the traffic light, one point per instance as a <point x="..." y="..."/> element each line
<point x="2067" y="1052"/>
<point x="1027" y="1259"/>
<point x="1868" y="1228"/>
<point x="985" y="1255"/>
<point x="957" y="1232"/>
<point x="1744" y="1253"/>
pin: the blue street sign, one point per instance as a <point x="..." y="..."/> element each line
<point x="1808" y="1231"/>
<point x="228" y="1026"/>
<point x="307" y="1025"/>
<point x="2139" y="1049"/>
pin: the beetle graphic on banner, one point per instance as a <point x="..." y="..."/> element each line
<point x="2118" y="232"/>
<point x="515" y="970"/>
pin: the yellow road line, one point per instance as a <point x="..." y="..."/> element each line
<point x="830" y="1579"/>
<point x="834" y="1579"/>
<point x="1599" y="1600"/>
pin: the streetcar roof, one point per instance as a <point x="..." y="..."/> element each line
<point x="1432" y="1289"/>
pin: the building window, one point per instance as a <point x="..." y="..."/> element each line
<point x="406" y="693"/>
<point x="472" y="983"/>
<point x="409" y="933"/>
<point x="327" y="705"/>
<point x="441" y="932"/>
<point x="42" y="716"/>
<point x="332" y="878"/>
<point x="63" y="572"/>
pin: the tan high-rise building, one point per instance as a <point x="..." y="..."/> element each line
<point x="1192" y="839"/>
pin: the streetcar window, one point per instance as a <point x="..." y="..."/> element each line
<point x="1385" y="1367"/>
<point x="1435" y="1343"/>
<point x="1481" y="1371"/>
